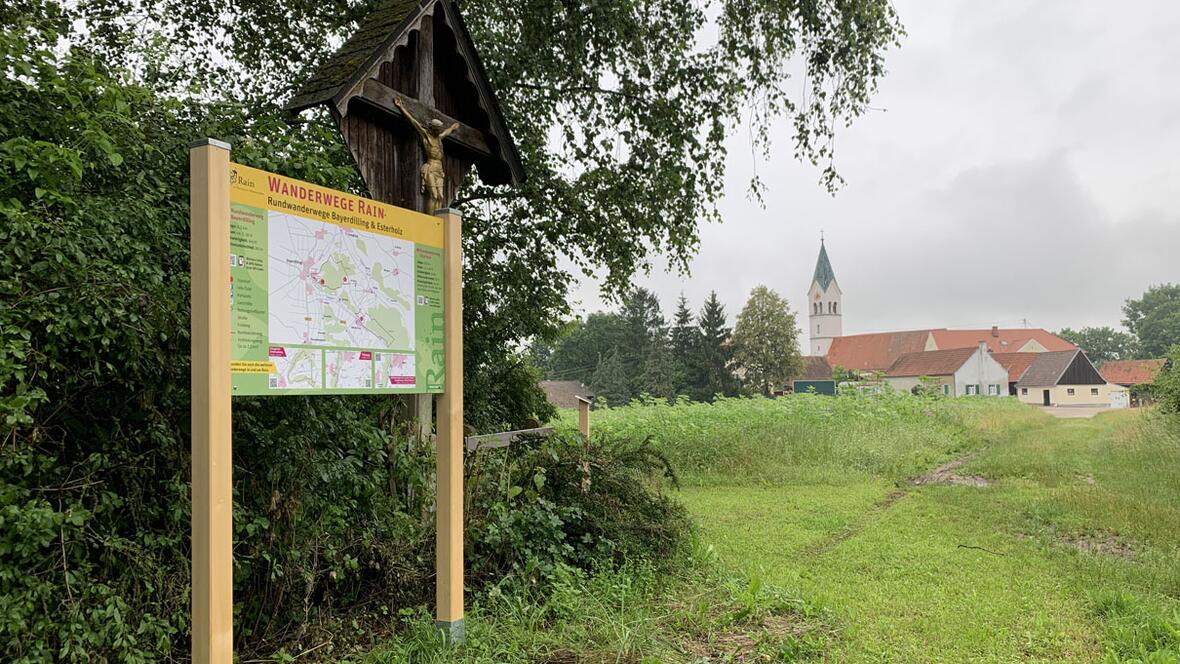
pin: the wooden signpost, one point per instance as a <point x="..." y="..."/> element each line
<point x="450" y="447"/>
<point x="212" y="449"/>
<point x="414" y="105"/>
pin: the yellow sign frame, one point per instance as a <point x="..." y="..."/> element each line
<point x="212" y="444"/>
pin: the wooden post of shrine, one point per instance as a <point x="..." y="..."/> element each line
<point x="421" y="406"/>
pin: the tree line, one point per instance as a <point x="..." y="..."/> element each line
<point x="635" y="351"/>
<point x="1152" y="322"/>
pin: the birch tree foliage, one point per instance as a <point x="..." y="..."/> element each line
<point x="622" y="108"/>
<point x="766" y="341"/>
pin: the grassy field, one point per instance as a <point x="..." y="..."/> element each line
<point x="1038" y="540"/>
<point x="1070" y="552"/>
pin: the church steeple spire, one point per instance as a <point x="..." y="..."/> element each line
<point x="824" y="275"/>
<point x="824" y="320"/>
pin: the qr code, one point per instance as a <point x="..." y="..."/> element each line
<point x="368" y="382"/>
<point x="274" y="382"/>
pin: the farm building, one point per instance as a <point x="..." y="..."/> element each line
<point x="956" y="372"/>
<point x="1130" y="373"/>
<point x="1016" y="364"/>
<point x="1067" y="378"/>
<point x="1136" y="375"/>
<point x="877" y="351"/>
<point x="816" y="376"/>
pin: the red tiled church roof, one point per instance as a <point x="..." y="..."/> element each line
<point x="875" y="352"/>
<point x="1000" y="340"/>
<point x="1131" y="372"/>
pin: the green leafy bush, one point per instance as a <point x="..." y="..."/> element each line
<point x="1167" y="385"/>
<point x="559" y="501"/>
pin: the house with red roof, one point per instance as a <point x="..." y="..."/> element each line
<point x="1130" y="373"/>
<point x="1016" y="364"/>
<point x="878" y="351"/>
<point x="956" y="372"/>
<point x="1135" y="375"/>
<point x="1068" y="378"/>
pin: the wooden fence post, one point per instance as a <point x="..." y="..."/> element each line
<point x="584" y="416"/>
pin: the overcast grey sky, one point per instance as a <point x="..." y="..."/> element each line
<point x="1025" y="165"/>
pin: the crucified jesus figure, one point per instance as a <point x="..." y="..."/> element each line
<point x="432" y="135"/>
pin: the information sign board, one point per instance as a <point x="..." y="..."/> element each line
<point x="331" y="293"/>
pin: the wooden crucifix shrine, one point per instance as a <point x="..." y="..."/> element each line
<point x="414" y="58"/>
<point x="415" y="107"/>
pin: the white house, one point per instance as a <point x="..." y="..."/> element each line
<point x="1068" y="378"/>
<point x="957" y="372"/>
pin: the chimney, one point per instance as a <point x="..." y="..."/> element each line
<point x="996" y="331"/>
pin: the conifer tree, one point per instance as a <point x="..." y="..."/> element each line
<point x="713" y="356"/>
<point x="611" y="380"/>
<point x="684" y="338"/>
<point x="643" y="324"/>
<point x="660" y="377"/>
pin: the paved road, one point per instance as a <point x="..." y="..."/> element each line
<point x="1075" y="411"/>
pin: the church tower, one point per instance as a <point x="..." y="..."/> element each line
<point x="824" y="319"/>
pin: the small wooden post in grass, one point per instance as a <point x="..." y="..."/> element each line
<point x="449" y="468"/>
<point x="212" y="448"/>
<point x="584" y="416"/>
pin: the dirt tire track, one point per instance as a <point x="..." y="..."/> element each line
<point x="940" y="475"/>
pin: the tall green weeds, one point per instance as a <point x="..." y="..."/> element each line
<point x="813" y="438"/>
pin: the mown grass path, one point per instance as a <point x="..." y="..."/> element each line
<point x="1071" y="553"/>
